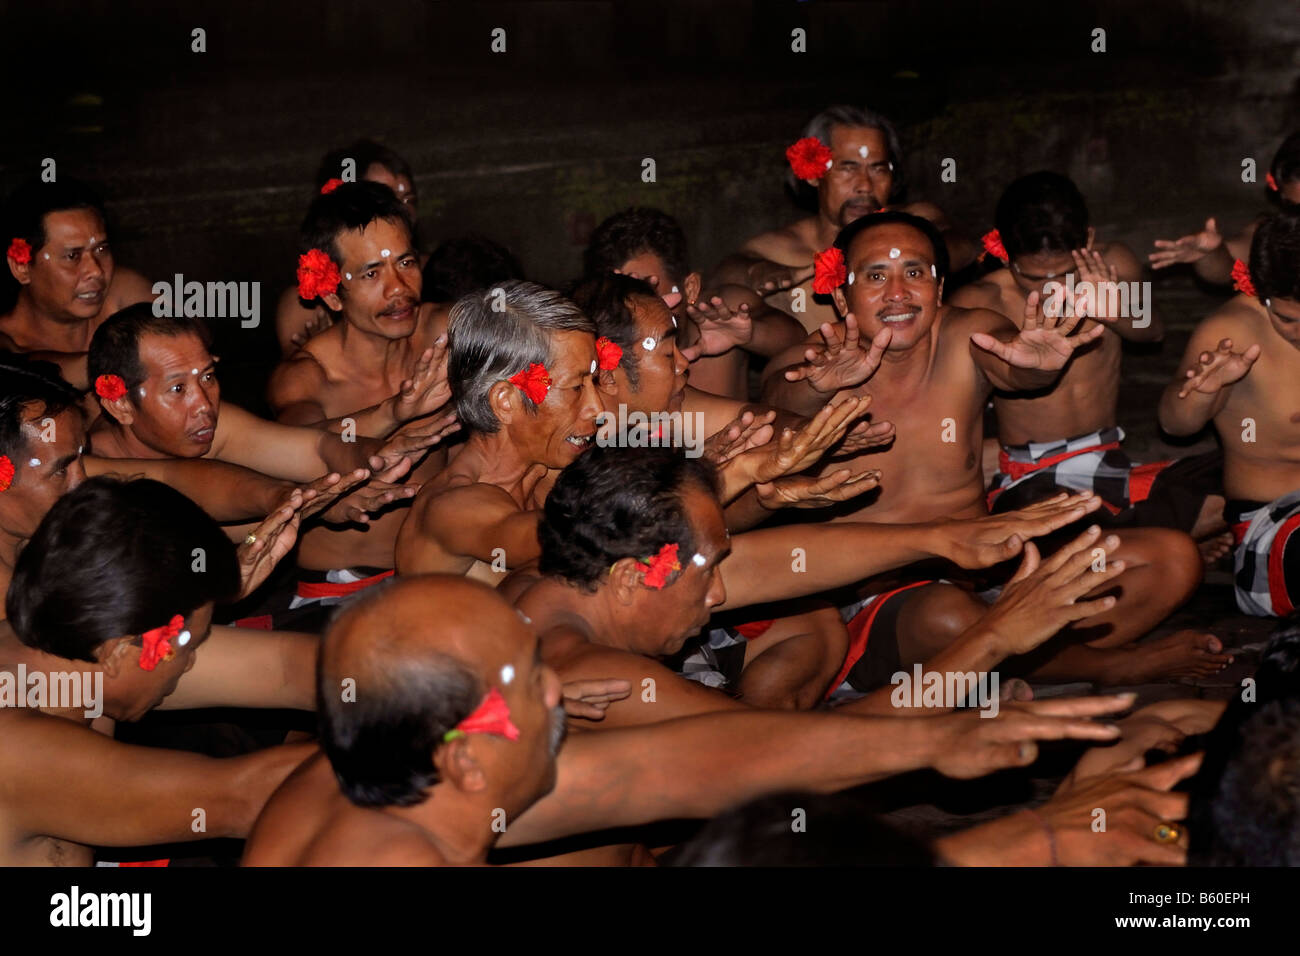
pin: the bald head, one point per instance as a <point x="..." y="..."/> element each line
<point x="398" y="669"/>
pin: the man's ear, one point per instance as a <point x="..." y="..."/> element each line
<point x="625" y="580"/>
<point x="457" y="766"/>
<point x="940" y="293"/>
<point x="840" y="301"/>
<point x="691" y="287"/>
<point x="120" y="410"/>
<point x="505" y="401"/>
<point x="23" y="272"/>
<point x="116" y="655"/>
<point x="332" y="301"/>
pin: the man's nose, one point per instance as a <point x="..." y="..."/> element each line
<point x="717" y="590"/>
<point x="895" y="287"/>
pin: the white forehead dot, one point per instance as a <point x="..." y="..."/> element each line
<point x="934" y="273"/>
<point x="894" y="253"/>
<point x="698" y="560"/>
<point x="385" y="253"/>
<point x="648" y="343"/>
<point x="46" y="254"/>
<point x="194" y="371"/>
<point x="850" y="278"/>
<point x="863" y="151"/>
<point x="507" y="674"/>
<point x="182" y="638"/>
<point x="674" y="288"/>
<point x="33" y="463"/>
<point x="593" y="366"/>
<point x="93" y="240"/>
<point x="401" y="187"/>
<point x="348" y="276"/>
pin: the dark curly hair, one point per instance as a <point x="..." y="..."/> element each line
<point x="627" y="234"/>
<point x="613" y="503"/>
<point x="605" y="300"/>
<point x="24" y="381"/>
<point x="1275" y="257"/>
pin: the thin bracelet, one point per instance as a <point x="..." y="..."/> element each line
<point x="1051" y="837"/>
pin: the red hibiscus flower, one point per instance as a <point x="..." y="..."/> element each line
<point x="829" y="271"/>
<point x="993" y="245"/>
<point x="660" y="566"/>
<point x="157" y="643"/>
<point x="1272" y="184"/>
<point x="330" y="186"/>
<point x="6" y="472"/>
<point x="809" y="158"/>
<point x="110" y="387"/>
<point x="535" y="382"/>
<point x="492" y="716"/>
<point x="317" y="275"/>
<point x="1241" y="278"/>
<point x="20" y="251"/>
<point x="608" y="354"/>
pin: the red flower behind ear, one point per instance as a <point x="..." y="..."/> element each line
<point x="110" y="387"/>
<point x="1272" y="183"/>
<point x="317" y="275"/>
<point x="157" y="643"/>
<point x="330" y="186"/>
<point x="993" y="246"/>
<point x="20" y="251"/>
<point x="1241" y="278"/>
<point x="6" y="472"/>
<point x="492" y="716"/>
<point x="829" y="271"/>
<point x="608" y="354"/>
<point x="810" y="158"/>
<point x="535" y="382"/>
<point x="660" y="566"/>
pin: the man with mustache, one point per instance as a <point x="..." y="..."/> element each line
<point x="930" y="368"/>
<point x="59" y="254"/>
<point x="453" y="743"/>
<point x="382" y="365"/>
<point x="865" y="175"/>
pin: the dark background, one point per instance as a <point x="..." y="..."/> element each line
<point x="207" y="158"/>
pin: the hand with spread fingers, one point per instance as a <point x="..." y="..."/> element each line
<point x="991" y="539"/>
<point x="844" y="361"/>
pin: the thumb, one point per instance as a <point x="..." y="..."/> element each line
<point x="1028" y="564"/>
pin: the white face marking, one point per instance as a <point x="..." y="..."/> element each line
<point x="934" y="272"/>
<point x="593" y="366"/>
<point x="863" y="151"/>
<point x="828" y="164"/>
<point x="523" y="617"/>
<point x="674" y="318"/>
<point x="894" y="253"/>
<point x="507" y="674"/>
<point x="401" y="187"/>
<point x="385" y="253"/>
<point x="699" y="560"/>
<point x="194" y="371"/>
<point x="93" y="240"/>
<point x="674" y="289"/>
<point x="182" y="638"/>
<point x="850" y="278"/>
<point x="348" y="276"/>
<point x="648" y="343"/>
<point x="46" y="255"/>
<point x="33" y="463"/>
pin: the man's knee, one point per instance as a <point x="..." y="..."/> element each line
<point x="1171" y="555"/>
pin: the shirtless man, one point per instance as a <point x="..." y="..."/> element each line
<point x="930" y="368"/>
<point x="381" y="365"/>
<point x="1240" y="371"/>
<point x="601" y="603"/>
<point x="93" y="596"/>
<point x="296" y="319"/>
<point x="521" y="365"/>
<point x="1213" y="254"/>
<point x="42" y="444"/>
<point x="866" y="176"/>
<point x="492" y="740"/>
<point x="58" y="252"/>
<point x="725" y="329"/>
<point x="1068" y="437"/>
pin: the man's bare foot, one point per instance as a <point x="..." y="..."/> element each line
<point x="1215" y="547"/>
<point x="1182" y="655"/>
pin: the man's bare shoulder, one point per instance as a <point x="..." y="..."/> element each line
<point x="1124" y="259"/>
<point x="1240" y="318"/>
<point x="986" y="293"/>
<point x="927" y="210"/>
<point x="960" y="322"/>
<point x="128" y="288"/>
<point x="360" y="836"/>
<point x="790" y="245"/>
<point x="300" y="376"/>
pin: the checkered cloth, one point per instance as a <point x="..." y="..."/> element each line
<point x="1257" y="565"/>
<point x="328" y="588"/>
<point x="718" y="660"/>
<point x="1093" y="462"/>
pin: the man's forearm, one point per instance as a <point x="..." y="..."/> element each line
<point x="699" y="766"/>
<point x="227" y="492"/>
<point x="1187" y="416"/>
<point x="1215" y="267"/>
